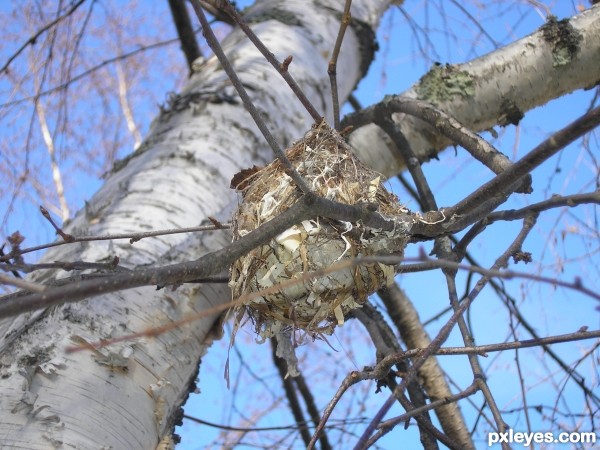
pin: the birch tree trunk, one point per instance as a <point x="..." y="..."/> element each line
<point x="128" y="396"/>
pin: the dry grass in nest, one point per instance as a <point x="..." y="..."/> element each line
<point x="315" y="305"/>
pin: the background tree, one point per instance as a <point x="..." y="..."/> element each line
<point x="126" y="395"/>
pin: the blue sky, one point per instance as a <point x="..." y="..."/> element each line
<point x="560" y="244"/>
<point x="397" y="67"/>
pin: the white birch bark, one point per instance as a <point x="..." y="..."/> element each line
<point x="125" y="396"/>
<point x="514" y="79"/>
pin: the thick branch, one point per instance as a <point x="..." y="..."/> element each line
<point x="405" y="317"/>
<point x="185" y="31"/>
<point x="448" y="126"/>
<point x="306" y="208"/>
<point x="499" y="88"/>
<point x="483" y="200"/>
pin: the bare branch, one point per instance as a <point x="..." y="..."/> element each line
<point x="385" y="343"/>
<point x="228" y="8"/>
<point x="32" y="40"/>
<point x="483" y="350"/>
<point x="212" y="41"/>
<point x="478" y="147"/>
<point x="443" y="335"/>
<point x="312" y="410"/>
<point x="185" y="31"/>
<point x="307" y="207"/>
<point x="88" y="72"/>
<point x="133" y="237"/>
<point x="387" y="425"/>
<point x="412" y="332"/>
<point x="56" y="173"/>
<point x="66" y="266"/>
<point x="556" y="201"/>
<point x="23" y="284"/>
<point x="483" y="200"/>
<point x="332" y="67"/>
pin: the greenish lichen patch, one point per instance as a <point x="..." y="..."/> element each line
<point x="443" y="82"/>
<point x="563" y="38"/>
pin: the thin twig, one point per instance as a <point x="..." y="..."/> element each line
<point x="229" y="9"/>
<point x="133" y="237"/>
<point x="87" y="72"/>
<point x="481" y="202"/>
<point x="386" y="363"/>
<point x="213" y="43"/>
<point x="555" y="201"/>
<point x="387" y="425"/>
<point x="521" y="376"/>
<point x="67" y="266"/>
<point x="32" y="40"/>
<point x="259" y="429"/>
<point x="438" y="341"/>
<point x="332" y="66"/>
<point x="23" y="284"/>
<point x="66" y="237"/>
<point x="432" y="264"/>
<point x="476" y="22"/>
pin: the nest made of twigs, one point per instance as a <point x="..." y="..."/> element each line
<point x="315" y="305"/>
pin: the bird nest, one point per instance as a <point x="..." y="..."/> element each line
<point x="304" y="302"/>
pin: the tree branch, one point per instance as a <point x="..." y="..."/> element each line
<point x="306" y="208"/>
<point x="185" y="31"/>
<point x="33" y="39"/>
<point x="482" y="201"/>
<point x="440" y="338"/>
<point x="212" y="41"/>
<point x="332" y="67"/>
<point x="412" y="332"/>
<point x="385" y="344"/>
<point x="279" y="67"/>
<point x="451" y="128"/>
<point x="500" y="88"/>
